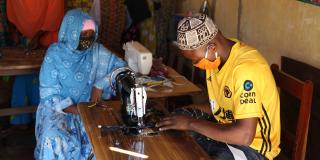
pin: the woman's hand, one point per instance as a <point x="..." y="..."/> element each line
<point x="96" y="94"/>
<point x="71" y="109"/>
<point x="35" y="41"/>
<point x="178" y="122"/>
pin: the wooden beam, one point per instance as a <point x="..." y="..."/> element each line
<point x="14" y="111"/>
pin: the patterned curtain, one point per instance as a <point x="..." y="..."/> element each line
<point x="85" y="5"/>
<point x="3" y="24"/>
<point x="156" y="31"/>
<point x="164" y="17"/>
<point x="113" y="16"/>
<point x="148" y="30"/>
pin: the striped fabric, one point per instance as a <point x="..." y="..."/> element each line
<point x="265" y="125"/>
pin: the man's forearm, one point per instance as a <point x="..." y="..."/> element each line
<point x="203" y="107"/>
<point x="234" y="133"/>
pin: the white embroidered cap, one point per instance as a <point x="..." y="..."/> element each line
<point x="196" y="31"/>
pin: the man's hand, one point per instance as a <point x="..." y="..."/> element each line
<point x="178" y="122"/>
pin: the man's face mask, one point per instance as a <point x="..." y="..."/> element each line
<point x="86" y="42"/>
<point x="206" y="64"/>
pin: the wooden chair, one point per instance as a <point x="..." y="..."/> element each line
<point x="303" y="91"/>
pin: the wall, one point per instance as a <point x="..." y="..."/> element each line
<point x="225" y="13"/>
<point x="226" y="16"/>
<point x="184" y="6"/>
<point x="275" y="27"/>
<point x="282" y="27"/>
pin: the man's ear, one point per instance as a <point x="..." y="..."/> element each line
<point x="212" y="47"/>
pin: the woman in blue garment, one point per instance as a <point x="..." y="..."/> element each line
<point x="71" y="68"/>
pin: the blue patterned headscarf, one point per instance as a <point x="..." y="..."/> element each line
<point x="66" y="71"/>
<point x="71" y="27"/>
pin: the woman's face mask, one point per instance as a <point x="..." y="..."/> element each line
<point x="86" y="40"/>
<point x="206" y="64"/>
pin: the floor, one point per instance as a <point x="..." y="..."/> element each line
<point x="14" y="143"/>
<point x="17" y="143"/>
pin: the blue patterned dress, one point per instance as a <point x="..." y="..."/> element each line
<point x="67" y="77"/>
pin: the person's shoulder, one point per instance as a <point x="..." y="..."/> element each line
<point x="54" y="47"/>
<point x="244" y="54"/>
<point x="54" y="51"/>
<point x="251" y="69"/>
<point x="103" y="51"/>
<point x="249" y="59"/>
<point x="242" y="46"/>
<point x="251" y="65"/>
<point x="242" y="50"/>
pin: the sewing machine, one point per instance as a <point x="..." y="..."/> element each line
<point x="139" y="58"/>
<point x="133" y="98"/>
<point x="133" y="102"/>
<point x="136" y="117"/>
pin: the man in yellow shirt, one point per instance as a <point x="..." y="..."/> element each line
<point x="243" y="96"/>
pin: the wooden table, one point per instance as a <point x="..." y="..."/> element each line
<point x="14" y="61"/>
<point x="184" y="87"/>
<point x="169" y="145"/>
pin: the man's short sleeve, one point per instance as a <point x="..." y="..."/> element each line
<point x="248" y="82"/>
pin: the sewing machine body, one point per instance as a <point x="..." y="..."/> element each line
<point x="133" y="99"/>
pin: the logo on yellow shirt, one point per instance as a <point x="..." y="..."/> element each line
<point x="227" y="92"/>
<point x="224" y="116"/>
<point x="247" y="97"/>
<point x="247" y="85"/>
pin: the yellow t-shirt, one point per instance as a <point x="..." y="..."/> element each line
<point x="245" y="88"/>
